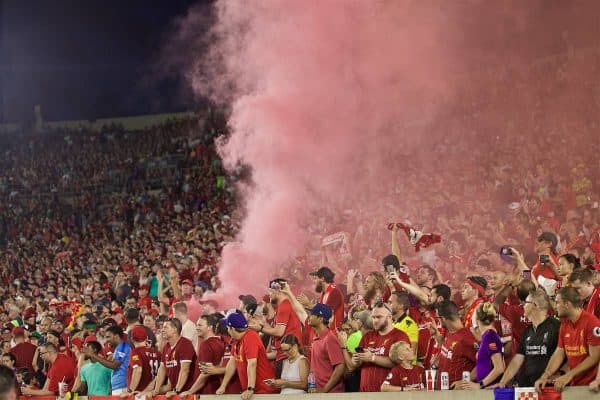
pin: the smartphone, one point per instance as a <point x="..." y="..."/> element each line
<point x="359" y="350"/>
<point x="526" y="274"/>
<point x="390" y="269"/>
<point x="268" y="382"/>
<point x="544" y="259"/>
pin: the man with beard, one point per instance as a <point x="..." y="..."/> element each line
<point x="331" y="295"/>
<point x="578" y="342"/>
<point x="582" y="280"/>
<point x="372" y="354"/>
<point x="286" y="321"/>
<point x="459" y="347"/>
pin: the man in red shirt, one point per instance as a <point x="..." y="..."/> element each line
<point x="578" y="342"/>
<point x="286" y="321"/>
<point x="459" y="347"/>
<point x="62" y="369"/>
<point x="22" y="350"/>
<point x="330" y="294"/>
<point x="326" y="357"/>
<point x="582" y="279"/>
<point x="143" y="363"/>
<point x="545" y="247"/>
<point x="210" y="353"/>
<point x="248" y="359"/>
<point x="372" y="353"/>
<point x="177" y="362"/>
<point x="144" y="300"/>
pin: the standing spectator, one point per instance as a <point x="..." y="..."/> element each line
<point x="144" y="301"/>
<point x="399" y="304"/>
<point x="326" y="358"/>
<point x="578" y="342"/>
<point x="473" y="295"/>
<point x="372" y="355"/>
<point x="459" y="346"/>
<point x="539" y="342"/>
<point x="490" y="363"/>
<point x="546" y="265"/>
<point x="119" y="360"/>
<point x="132" y="317"/>
<point x="294" y="376"/>
<point x="248" y="359"/>
<point x="330" y="294"/>
<point x="286" y="321"/>
<point x="405" y="376"/>
<point x="210" y="353"/>
<point x="62" y="369"/>
<point x="8" y="384"/>
<point x="178" y="361"/>
<point x="188" y="328"/>
<point x="94" y="376"/>
<point x="143" y="363"/>
<point x="582" y="280"/>
<point x="23" y="350"/>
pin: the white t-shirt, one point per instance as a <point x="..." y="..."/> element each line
<point x="188" y="331"/>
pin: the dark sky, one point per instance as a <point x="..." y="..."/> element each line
<point x="87" y="59"/>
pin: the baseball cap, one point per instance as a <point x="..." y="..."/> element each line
<point x="36" y="335"/>
<point x="325" y="273"/>
<point x="247" y="299"/>
<point x="202" y="284"/>
<point x="187" y="282"/>
<point x="321" y="310"/>
<point x="90" y="338"/>
<point x="548" y="237"/>
<point x="144" y="287"/>
<point x="235" y="320"/>
<point x="139" y="334"/>
<point x="18" y="331"/>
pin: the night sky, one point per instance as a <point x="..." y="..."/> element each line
<point x="88" y="59"/>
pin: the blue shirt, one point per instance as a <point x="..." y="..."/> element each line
<point x="118" y="379"/>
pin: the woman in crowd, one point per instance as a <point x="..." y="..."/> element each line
<point x="294" y="375"/>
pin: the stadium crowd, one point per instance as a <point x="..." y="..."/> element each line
<point x="111" y="240"/>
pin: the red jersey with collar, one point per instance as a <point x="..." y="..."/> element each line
<point x="575" y="338"/>
<point x="458" y="354"/>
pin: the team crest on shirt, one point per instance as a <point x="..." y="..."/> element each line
<point x="453" y="345"/>
<point x="135" y="357"/>
<point x="597" y="331"/>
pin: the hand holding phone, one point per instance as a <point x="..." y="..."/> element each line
<point x="268" y="382"/>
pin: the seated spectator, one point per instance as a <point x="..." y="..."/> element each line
<point x="63" y="370"/>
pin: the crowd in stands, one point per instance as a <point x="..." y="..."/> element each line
<point x="111" y="240"/>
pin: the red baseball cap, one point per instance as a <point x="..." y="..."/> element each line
<point x="139" y="334"/>
<point x="90" y="338"/>
<point x="187" y="282"/>
<point x="18" y="331"/>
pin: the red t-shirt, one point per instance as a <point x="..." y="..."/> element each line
<point x="333" y="297"/>
<point x="592" y="305"/>
<point x="234" y="386"/>
<point x="372" y="375"/>
<point x="326" y="354"/>
<point x="173" y="357"/>
<point x="211" y="351"/>
<point x="286" y="316"/>
<point x="575" y="339"/>
<point x="24" y="353"/>
<point x="63" y="368"/>
<point x="145" y="301"/>
<point x="413" y="378"/>
<point x="458" y="354"/>
<point x="248" y="347"/>
<point x="515" y="315"/>
<point x="148" y="360"/>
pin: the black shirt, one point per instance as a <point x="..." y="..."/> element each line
<point x="537" y="345"/>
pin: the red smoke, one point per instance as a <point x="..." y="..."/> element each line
<point x="336" y="104"/>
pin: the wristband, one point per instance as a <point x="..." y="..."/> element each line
<point x="250" y="389"/>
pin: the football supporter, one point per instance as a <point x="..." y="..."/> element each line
<point x="210" y="353"/>
<point x="459" y="347"/>
<point x="8" y="384"/>
<point x="546" y="265"/>
<point x="188" y="327"/>
<point x="490" y="363"/>
<point x="294" y="375"/>
<point x="578" y="342"/>
<point x="177" y="362"/>
<point x="326" y="359"/>
<point x="119" y="360"/>
<point x="23" y="350"/>
<point x="143" y="363"/>
<point x="132" y="317"/>
<point x="473" y="295"/>
<point x="330" y="294"/>
<point x="94" y="378"/>
<point x="567" y="263"/>
<point x="400" y="304"/>
<point x="63" y="370"/>
<point x="9" y="360"/>
<point x="538" y="344"/>
<point x="582" y="280"/>
<point x="248" y="359"/>
<point x="372" y="354"/>
<point x="404" y="376"/>
<point x="286" y="320"/>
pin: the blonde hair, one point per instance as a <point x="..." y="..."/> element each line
<point x="395" y="349"/>
<point x="486" y="313"/>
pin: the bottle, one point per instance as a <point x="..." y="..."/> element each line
<point x="312" y="381"/>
